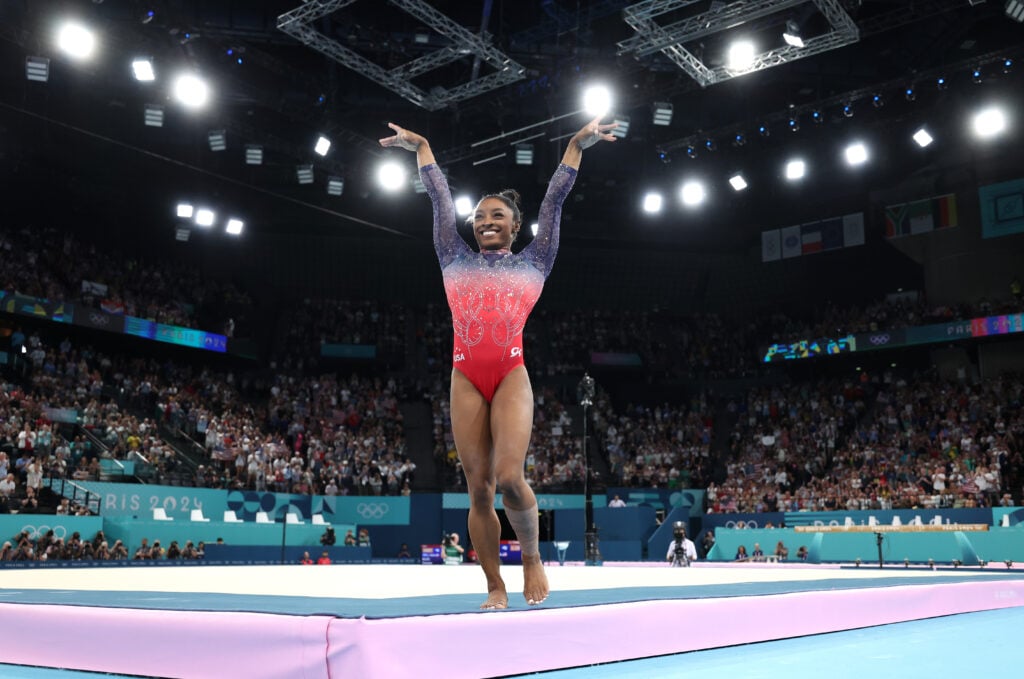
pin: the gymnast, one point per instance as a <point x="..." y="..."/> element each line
<point x="490" y="294"/>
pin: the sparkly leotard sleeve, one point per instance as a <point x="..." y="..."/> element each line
<point x="491" y="294"/>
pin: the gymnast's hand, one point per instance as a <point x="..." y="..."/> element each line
<point x="406" y="139"/>
<point x="593" y="132"/>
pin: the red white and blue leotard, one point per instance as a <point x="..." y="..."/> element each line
<point x="491" y="294"/>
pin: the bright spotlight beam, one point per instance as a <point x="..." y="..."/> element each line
<point x="76" y="40"/>
<point x="391" y="176"/>
<point x="989" y="123"/>
<point x="191" y="90"/>
<point x="597" y="100"/>
<point x="741" y="55"/>
<point x="856" y="154"/>
<point x="463" y="206"/>
<point x="652" y="203"/>
<point x="795" y="169"/>
<point x="923" y="138"/>
<point x="692" y="193"/>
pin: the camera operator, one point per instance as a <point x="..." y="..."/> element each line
<point x="681" y="551"/>
<point x="328" y="538"/>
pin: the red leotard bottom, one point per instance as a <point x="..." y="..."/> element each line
<point x="487" y="372"/>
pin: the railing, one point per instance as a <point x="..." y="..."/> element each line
<point x="76" y="493"/>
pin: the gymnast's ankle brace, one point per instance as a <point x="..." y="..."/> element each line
<point x="526" y="524"/>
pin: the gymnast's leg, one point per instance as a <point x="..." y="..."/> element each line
<point x="511" y="428"/>
<point x="471" y="428"/>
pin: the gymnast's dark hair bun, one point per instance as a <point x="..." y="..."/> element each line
<point x="513" y="196"/>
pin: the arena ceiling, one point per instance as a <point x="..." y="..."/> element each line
<point x="76" y="148"/>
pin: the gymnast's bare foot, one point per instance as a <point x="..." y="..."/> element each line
<point x="497" y="596"/>
<point x="535" y="581"/>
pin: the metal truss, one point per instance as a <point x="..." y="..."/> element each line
<point x="298" y="24"/>
<point x="670" y="40"/>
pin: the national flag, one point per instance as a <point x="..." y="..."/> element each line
<point x="832" y="234"/>
<point x="810" y="239"/>
<point x="112" y="306"/>
<point x="791" y="242"/>
<point x="771" y="245"/>
<point x="921" y="216"/>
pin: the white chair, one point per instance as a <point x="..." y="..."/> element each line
<point x="197" y="515"/>
<point x="936" y="520"/>
<point x="231" y="517"/>
<point x="1005" y="521"/>
<point x="160" y="514"/>
<point x="917" y="521"/>
<point x="318" y="520"/>
<point x="263" y="517"/>
<point x="897" y="521"/>
<point x="293" y="518"/>
<point x="848" y="522"/>
<point x="872" y="521"/>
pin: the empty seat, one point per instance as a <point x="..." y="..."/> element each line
<point x="318" y="520"/>
<point x="197" y="515"/>
<point x="231" y="517"/>
<point x="293" y="518"/>
<point x="160" y="514"/>
<point x="263" y="517"/>
<point x="896" y="521"/>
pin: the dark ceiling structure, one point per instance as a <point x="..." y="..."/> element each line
<point x="479" y="78"/>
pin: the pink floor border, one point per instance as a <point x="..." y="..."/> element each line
<point x="196" y="645"/>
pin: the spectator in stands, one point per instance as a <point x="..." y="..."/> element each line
<point x="306" y="559"/>
<point x="350" y="538"/>
<point x="617" y="501"/>
<point x="328" y="538"/>
<point x="324" y="560"/>
<point x="364" y="537"/>
<point x="741" y="554"/>
<point x="781" y="552"/>
<point x="801" y="553"/>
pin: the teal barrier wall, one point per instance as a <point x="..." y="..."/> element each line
<point x="131" y="532"/>
<point x="38" y="524"/>
<point x="998" y="544"/>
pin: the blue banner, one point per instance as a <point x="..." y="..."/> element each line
<point x="661" y="498"/>
<point x="37" y="525"/>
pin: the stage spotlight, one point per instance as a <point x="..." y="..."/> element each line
<point x="253" y="154"/>
<point x="923" y="138"/>
<point x="878" y="101"/>
<point x="989" y="123"/>
<point x="37" y="69"/>
<point x="597" y="100"/>
<point x="184" y="210"/>
<point x="142" y="69"/>
<point x="739" y="139"/>
<point x="764" y="131"/>
<point x="794" y="124"/>
<point x="741" y="55"/>
<point x="218" y="140"/>
<point x="335" y="186"/>
<point x="662" y="113"/>
<point x="621" y="128"/>
<point x="795" y="169"/>
<point x="154" y="115"/>
<point x="235" y="227"/>
<point x="691" y="151"/>
<point x="391" y="176"/>
<point x="818" y="117"/>
<point x="910" y="94"/>
<point x="940" y="83"/>
<point x="191" y="90"/>
<point x="848" y="110"/>
<point x="710" y="144"/>
<point x="792" y="35"/>
<point x="976" y="76"/>
<point x="856" y="154"/>
<point x="304" y="174"/>
<point x="463" y="206"/>
<point x="1007" y="65"/>
<point x="692" y="193"/>
<point x="652" y="203"/>
<point x="323" y="145"/>
<point x="1015" y="10"/>
<point x="664" y="156"/>
<point x="534" y="227"/>
<point x="76" y="40"/>
<point x="524" y="154"/>
<point x="205" y="217"/>
<point x="182" y="234"/>
<point x="737" y="182"/>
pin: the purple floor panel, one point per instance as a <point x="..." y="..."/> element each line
<point x="199" y="644"/>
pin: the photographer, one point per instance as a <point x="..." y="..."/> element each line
<point x="328" y="538"/>
<point x="681" y="551"/>
<point x="452" y="549"/>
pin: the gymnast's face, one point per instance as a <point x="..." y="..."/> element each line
<point x="493" y="225"/>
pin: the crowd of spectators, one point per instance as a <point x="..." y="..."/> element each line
<point x="47" y="263"/>
<point x="315" y="322"/>
<point x="47" y="546"/>
<point x="883" y="442"/>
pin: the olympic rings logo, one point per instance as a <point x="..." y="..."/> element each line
<point x="373" y="510"/>
<point x="746" y="524"/>
<point x="879" y="339"/>
<point x="37" y="532"/>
